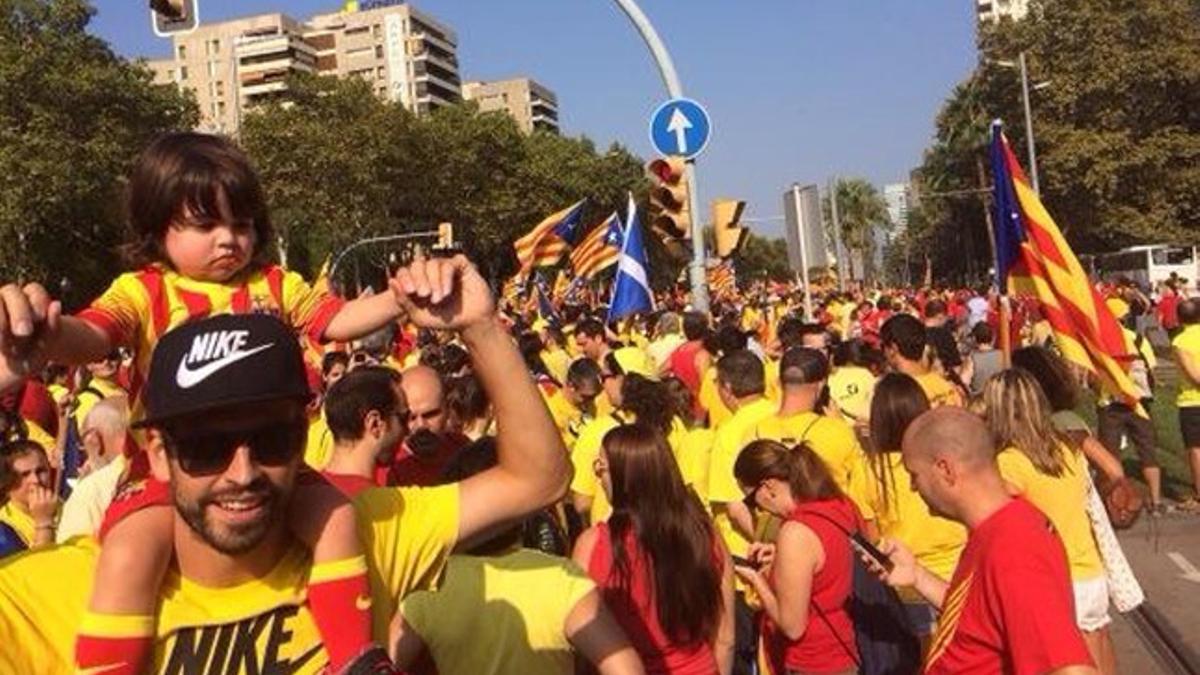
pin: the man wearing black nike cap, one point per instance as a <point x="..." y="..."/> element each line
<point x="225" y="419"/>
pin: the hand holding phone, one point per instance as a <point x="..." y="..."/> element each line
<point x="739" y="561"/>
<point x="868" y="549"/>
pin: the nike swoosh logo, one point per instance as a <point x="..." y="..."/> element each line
<point x="362" y="603"/>
<point x="102" y="670"/>
<point x="187" y="378"/>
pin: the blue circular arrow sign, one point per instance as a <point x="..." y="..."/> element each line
<point x="680" y="127"/>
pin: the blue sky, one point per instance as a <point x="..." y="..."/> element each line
<point x="798" y="89"/>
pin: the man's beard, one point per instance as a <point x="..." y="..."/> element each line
<point x="238" y="538"/>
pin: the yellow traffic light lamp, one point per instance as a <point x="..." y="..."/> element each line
<point x="670" y="214"/>
<point x="728" y="234"/>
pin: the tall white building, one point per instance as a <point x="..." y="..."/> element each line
<point x="898" y="197"/>
<point x="994" y="10"/>
<point x="406" y="56"/>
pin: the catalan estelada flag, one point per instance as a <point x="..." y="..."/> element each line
<point x="599" y="250"/>
<point x="1033" y="258"/>
<point x="549" y="240"/>
<point x="722" y="279"/>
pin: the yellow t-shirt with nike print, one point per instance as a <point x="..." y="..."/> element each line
<point x="257" y="627"/>
<point x="1188" y="342"/>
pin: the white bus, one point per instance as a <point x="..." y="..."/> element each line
<point x="1147" y="265"/>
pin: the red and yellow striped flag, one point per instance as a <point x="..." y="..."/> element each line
<point x="549" y="240"/>
<point x="1033" y="258"/>
<point x="599" y="250"/>
<point x="722" y="279"/>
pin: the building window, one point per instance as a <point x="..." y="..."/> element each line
<point x="220" y="87"/>
<point x="356" y="53"/>
<point x="358" y="30"/>
<point x="379" y="51"/>
<point x="216" y="45"/>
<point x="379" y="72"/>
<point x="182" y="51"/>
<point x="212" y="68"/>
<point x="171" y="74"/>
<point x="377" y="30"/>
<point x="220" y="108"/>
<point x="183" y="72"/>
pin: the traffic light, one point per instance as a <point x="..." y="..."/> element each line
<point x="445" y="235"/>
<point x="670" y="211"/>
<point x="174" y="17"/>
<point x="728" y="234"/>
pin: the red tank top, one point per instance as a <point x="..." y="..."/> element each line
<point x="826" y="645"/>
<point x="683" y="365"/>
<point x="637" y="612"/>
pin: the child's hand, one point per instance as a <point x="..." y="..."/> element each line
<point x="28" y="318"/>
<point x="443" y="293"/>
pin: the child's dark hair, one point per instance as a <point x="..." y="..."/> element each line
<point x="196" y="171"/>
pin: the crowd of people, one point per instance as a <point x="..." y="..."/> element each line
<point x="218" y="467"/>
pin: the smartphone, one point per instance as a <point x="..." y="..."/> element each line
<point x="866" y="548"/>
<point x="739" y="561"/>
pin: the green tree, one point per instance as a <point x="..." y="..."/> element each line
<point x="73" y="116"/>
<point x="763" y="258"/>
<point x="861" y="208"/>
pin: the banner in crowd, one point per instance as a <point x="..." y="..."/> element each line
<point x="549" y="240"/>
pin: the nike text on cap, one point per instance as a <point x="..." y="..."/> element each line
<point x="223" y="361"/>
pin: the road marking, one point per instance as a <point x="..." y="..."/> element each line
<point x="1189" y="570"/>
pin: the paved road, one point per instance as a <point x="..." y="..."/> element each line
<point x="1156" y="549"/>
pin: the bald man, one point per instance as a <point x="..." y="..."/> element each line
<point x="429" y="445"/>
<point x="1009" y="607"/>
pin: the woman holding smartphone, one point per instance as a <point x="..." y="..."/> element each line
<point x="805" y="587"/>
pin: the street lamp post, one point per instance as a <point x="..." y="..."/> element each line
<point x="666" y="68"/>
<point x="1022" y="65"/>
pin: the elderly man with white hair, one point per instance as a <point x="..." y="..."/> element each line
<point x="103" y="434"/>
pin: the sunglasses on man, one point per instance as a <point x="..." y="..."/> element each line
<point x="210" y="452"/>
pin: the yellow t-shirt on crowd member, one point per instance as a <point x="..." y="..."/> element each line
<point x="557" y="362"/>
<point x="40" y="436"/>
<point x="1064" y="501"/>
<point x="1188" y="342"/>
<point x="587" y="450"/>
<point x="694" y="458"/>
<point x="583" y="458"/>
<point x="95" y="391"/>
<point x="833" y="440"/>
<point x="318" y="449"/>
<point x="407" y="533"/>
<point x="567" y="417"/>
<point x="851" y="388"/>
<point x="710" y="398"/>
<point x="731" y="436"/>
<point x="20" y="522"/>
<point x="774" y="388"/>
<point x="939" y="390"/>
<point x="936" y="542"/>
<point x="500" y="614"/>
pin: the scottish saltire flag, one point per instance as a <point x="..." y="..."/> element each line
<point x="549" y="240"/>
<point x="631" y="287"/>
<point x="1033" y="258"/>
<point x="599" y="250"/>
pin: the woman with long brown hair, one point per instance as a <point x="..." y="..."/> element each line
<point x="664" y="571"/>
<point x="887" y="498"/>
<point x="805" y="588"/>
<point x="1041" y="464"/>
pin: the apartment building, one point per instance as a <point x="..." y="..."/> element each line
<point x="994" y="10"/>
<point x="407" y="57"/>
<point x="532" y="105"/>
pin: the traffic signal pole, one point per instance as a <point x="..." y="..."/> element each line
<point x="666" y="68"/>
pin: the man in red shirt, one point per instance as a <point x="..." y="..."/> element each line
<point x="429" y="445"/>
<point x="1009" y="607"/>
<point x="367" y="417"/>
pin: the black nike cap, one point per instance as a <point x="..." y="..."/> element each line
<point x="223" y="361"/>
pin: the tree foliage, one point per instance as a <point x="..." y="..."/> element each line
<point x="339" y="165"/>
<point x="861" y="209"/>
<point x="763" y="258"/>
<point x="1117" y="127"/>
<point x="73" y="115"/>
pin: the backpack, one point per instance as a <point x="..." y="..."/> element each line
<point x="887" y="643"/>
